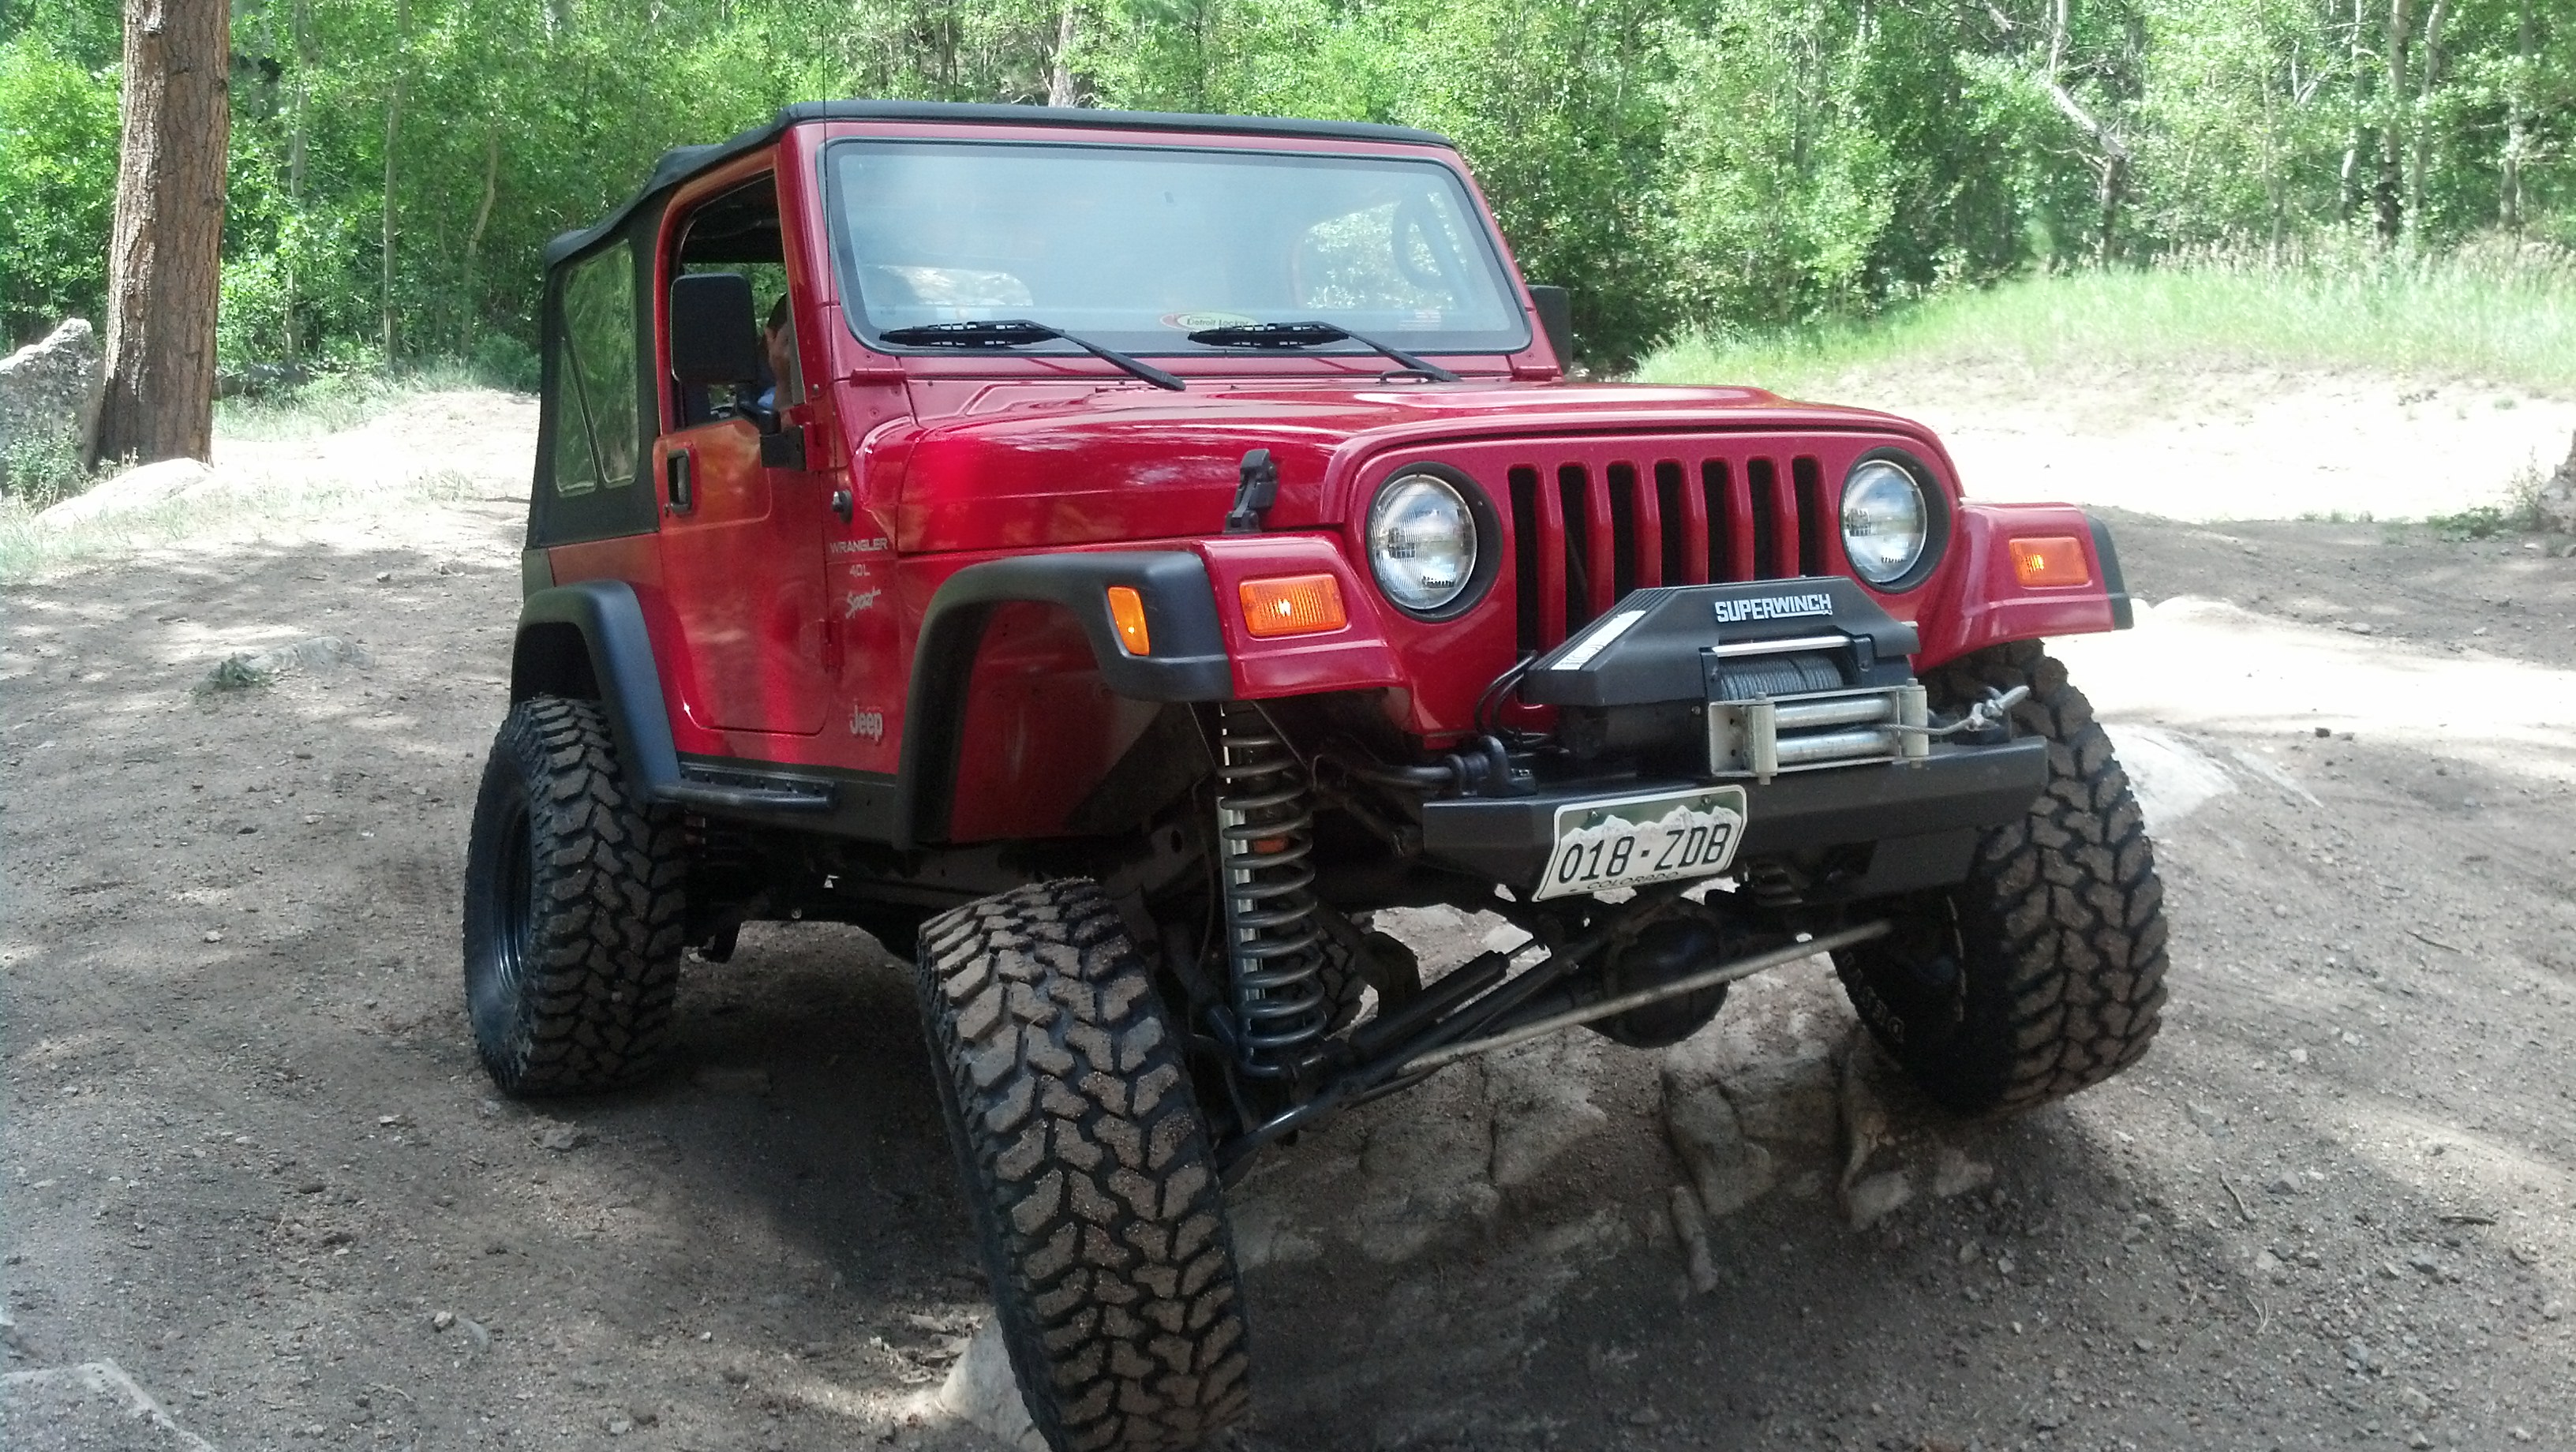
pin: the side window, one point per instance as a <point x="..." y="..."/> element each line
<point x="595" y="424"/>
<point x="738" y="232"/>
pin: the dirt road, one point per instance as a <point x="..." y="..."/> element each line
<point x="250" y="1160"/>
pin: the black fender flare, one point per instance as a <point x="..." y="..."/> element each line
<point x="1188" y="660"/>
<point x="614" y="666"/>
<point x="2114" y="584"/>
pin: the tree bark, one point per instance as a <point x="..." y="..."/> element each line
<point x="482" y="219"/>
<point x="393" y="131"/>
<point x="1060" y="70"/>
<point x="2357" y="140"/>
<point x="304" y="57"/>
<point x="2517" y="128"/>
<point x="2421" y="123"/>
<point x="2113" y="165"/>
<point x="2392" y="131"/>
<point x="165" y="249"/>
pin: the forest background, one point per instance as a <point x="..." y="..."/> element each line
<point x="1727" y="167"/>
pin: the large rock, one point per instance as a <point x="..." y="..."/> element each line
<point x="139" y="488"/>
<point x="982" y="1392"/>
<point x="1541" y="1097"/>
<point x="1728" y="1169"/>
<point x="2558" y="496"/>
<point x="48" y="388"/>
<point x="1751" y="1101"/>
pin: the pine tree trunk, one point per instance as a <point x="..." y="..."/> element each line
<point x="474" y="238"/>
<point x="2348" y="189"/>
<point x="393" y="132"/>
<point x="2421" y="124"/>
<point x="1060" y="69"/>
<point x="2517" y="131"/>
<point x="165" y="250"/>
<point x="2392" y="132"/>
<point x="304" y="58"/>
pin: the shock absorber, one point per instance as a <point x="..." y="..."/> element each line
<point x="1273" y="942"/>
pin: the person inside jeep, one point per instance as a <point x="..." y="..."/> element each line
<point x="778" y="349"/>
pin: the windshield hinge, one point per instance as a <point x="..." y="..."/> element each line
<point x="1256" y="489"/>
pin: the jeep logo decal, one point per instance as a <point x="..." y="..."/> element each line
<point x="1774" y="607"/>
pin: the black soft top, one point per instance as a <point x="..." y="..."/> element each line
<point x="682" y="162"/>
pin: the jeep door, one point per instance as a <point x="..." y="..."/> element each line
<point x="742" y="513"/>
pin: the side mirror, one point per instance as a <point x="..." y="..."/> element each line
<point x="714" y="338"/>
<point x="1556" y="316"/>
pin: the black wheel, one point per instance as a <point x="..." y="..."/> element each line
<point x="2043" y="973"/>
<point x="573" y="909"/>
<point x="1087" y="1166"/>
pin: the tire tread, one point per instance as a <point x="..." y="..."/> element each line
<point x="1093" y="1182"/>
<point x="2064" y="911"/>
<point x="602" y="967"/>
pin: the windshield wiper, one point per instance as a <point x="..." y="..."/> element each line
<point x="1311" y="335"/>
<point x="1019" y="333"/>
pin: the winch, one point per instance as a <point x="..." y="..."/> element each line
<point x="1776" y="676"/>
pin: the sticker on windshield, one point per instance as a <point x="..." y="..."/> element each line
<point x="1197" y="322"/>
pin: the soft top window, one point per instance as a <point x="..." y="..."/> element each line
<point x="594" y="374"/>
<point x="1137" y="247"/>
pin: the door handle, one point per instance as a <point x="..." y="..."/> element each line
<point x="675" y="473"/>
<point x="843" y="505"/>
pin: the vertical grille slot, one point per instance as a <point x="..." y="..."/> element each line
<point x="1638" y="557"/>
<point x="1812" y="521"/>
<point x="1535" y="547"/>
<point x="1591" y="546"/>
<point x="1762" y="479"/>
<point x="1684" y="516"/>
<point x="1574" y="559"/>
<point x="1730" y="521"/>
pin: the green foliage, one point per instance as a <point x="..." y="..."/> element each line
<point x="40" y="469"/>
<point x="58" y="133"/>
<point x="2485" y="521"/>
<point x="1721" y="168"/>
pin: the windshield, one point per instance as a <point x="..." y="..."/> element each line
<point x="1137" y="247"/>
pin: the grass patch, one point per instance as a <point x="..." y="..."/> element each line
<point x="330" y="402"/>
<point x="251" y="509"/>
<point x="2494" y="313"/>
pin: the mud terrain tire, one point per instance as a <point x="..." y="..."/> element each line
<point x="1087" y="1167"/>
<point x="2042" y="973"/>
<point x="573" y="898"/>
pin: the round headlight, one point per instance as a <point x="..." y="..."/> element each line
<point x="1422" y="542"/>
<point x="1886" y="523"/>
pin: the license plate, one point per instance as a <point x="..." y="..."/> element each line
<point x="1633" y="841"/>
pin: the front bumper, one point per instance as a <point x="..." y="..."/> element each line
<point x="1921" y="819"/>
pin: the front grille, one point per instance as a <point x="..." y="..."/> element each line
<point x="1587" y="531"/>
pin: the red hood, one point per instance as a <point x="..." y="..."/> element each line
<point x="1016" y="466"/>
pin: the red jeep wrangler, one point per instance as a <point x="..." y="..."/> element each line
<point x="1134" y="548"/>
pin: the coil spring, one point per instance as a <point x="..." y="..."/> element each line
<point x="1274" y="945"/>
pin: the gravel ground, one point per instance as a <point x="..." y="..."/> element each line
<point x="251" y="1163"/>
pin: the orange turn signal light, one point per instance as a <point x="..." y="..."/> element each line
<point x="1127" y="612"/>
<point x="2056" y="559"/>
<point x="1293" y="605"/>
